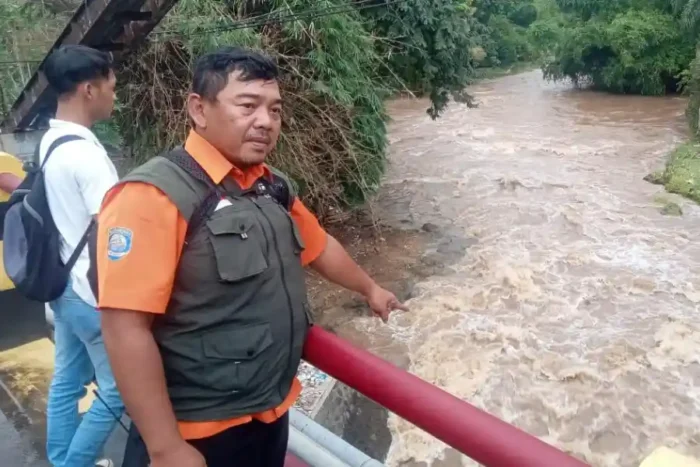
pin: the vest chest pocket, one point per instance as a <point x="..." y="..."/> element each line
<point x="232" y="358"/>
<point x="237" y="241"/>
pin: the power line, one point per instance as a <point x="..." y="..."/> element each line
<point x="277" y="11"/>
<point x="19" y="62"/>
<point x="270" y="16"/>
<point x="262" y="20"/>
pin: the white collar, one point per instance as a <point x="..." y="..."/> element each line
<point x="75" y="129"/>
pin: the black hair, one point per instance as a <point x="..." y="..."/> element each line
<point x="71" y="65"/>
<point x="212" y="70"/>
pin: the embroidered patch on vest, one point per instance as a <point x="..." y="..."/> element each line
<point x="119" y="244"/>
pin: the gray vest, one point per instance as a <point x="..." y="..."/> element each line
<point x="232" y="337"/>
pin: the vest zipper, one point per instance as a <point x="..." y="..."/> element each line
<point x="284" y="286"/>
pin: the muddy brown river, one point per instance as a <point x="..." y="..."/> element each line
<point x="573" y="309"/>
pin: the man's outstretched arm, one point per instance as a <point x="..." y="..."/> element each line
<point x="336" y="265"/>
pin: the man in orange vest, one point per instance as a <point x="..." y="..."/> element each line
<point x="200" y="257"/>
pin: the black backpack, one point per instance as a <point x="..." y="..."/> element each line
<point x="31" y="247"/>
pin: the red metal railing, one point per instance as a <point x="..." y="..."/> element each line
<point x="293" y="461"/>
<point x="473" y="432"/>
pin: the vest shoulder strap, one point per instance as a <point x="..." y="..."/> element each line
<point x="184" y="189"/>
<point x="187" y="185"/>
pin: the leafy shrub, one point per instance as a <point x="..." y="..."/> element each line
<point x="508" y="43"/>
<point x="637" y="51"/>
<point x="544" y="36"/>
<point x="691" y="87"/>
<point x="427" y="45"/>
<point x="524" y="15"/>
<point x="334" y="136"/>
<point x="503" y="30"/>
<point x="587" y="9"/>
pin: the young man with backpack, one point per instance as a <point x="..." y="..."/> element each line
<point x="47" y="259"/>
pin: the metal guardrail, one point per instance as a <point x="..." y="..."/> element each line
<point x="307" y="450"/>
<point x="473" y="432"/>
<point x="308" y="439"/>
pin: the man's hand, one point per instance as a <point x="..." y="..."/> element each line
<point x="180" y="455"/>
<point x="383" y="302"/>
<point x="336" y="265"/>
<point x="9" y="182"/>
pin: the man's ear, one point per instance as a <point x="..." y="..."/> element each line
<point x="195" y="109"/>
<point x="87" y="89"/>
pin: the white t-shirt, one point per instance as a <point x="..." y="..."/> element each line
<point x="77" y="176"/>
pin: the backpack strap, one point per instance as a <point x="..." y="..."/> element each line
<point x="31" y="168"/>
<point x="56" y="143"/>
<point x="83" y="240"/>
<point x="81" y="245"/>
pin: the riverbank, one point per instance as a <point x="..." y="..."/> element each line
<point x="682" y="172"/>
<point x="481" y="74"/>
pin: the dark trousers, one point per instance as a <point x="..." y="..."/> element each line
<point x="253" y="444"/>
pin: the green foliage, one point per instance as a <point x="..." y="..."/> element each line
<point x="546" y="32"/>
<point x="503" y="27"/>
<point x="26" y="32"/>
<point x="688" y="12"/>
<point x="691" y="86"/>
<point x="544" y="36"/>
<point x="485" y="9"/>
<point x="524" y="15"/>
<point x="508" y="43"/>
<point x="640" y="50"/>
<point x="426" y="45"/>
<point x="586" y="9"/>
<point x="548" y="10"/>
<point x="334" y="135"/>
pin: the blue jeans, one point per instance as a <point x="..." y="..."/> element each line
<point x="80" y="353"/>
